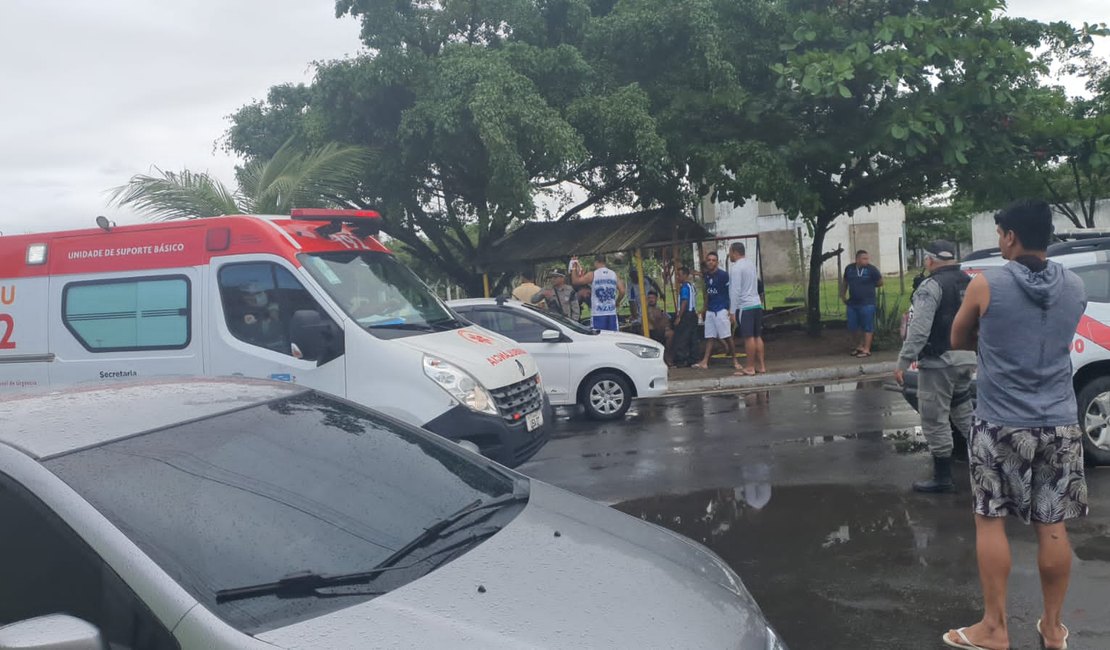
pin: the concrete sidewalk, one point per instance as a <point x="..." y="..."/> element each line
<point x="712" y="380"/>
<point x="792" y="358"/>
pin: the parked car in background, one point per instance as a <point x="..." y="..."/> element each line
<point x="602" y="371"/>
<point x="1090" y="350"/>
<point x="209" y="514"/>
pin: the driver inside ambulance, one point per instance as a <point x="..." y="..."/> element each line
<point x="260" y="322"/>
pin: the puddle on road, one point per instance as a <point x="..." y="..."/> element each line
<point x="904" y="440"/>
<point x="868" y="567"/>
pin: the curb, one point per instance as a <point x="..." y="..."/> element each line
<point x="837" y="373"/>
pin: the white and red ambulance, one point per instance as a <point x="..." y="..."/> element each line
<point x="1090" y="349"/>
<point x="314" y="299"/>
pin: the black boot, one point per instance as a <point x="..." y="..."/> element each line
<point x="942" y="478"/>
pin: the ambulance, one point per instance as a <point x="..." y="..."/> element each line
<point x="312" y="299"/>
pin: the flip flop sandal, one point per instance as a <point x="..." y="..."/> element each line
<point x="964" y="643"/>
<point x="863" y="355"/>
<point x="1066" y="633"/>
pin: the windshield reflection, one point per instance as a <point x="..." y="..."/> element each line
<point x="379" y="292"/>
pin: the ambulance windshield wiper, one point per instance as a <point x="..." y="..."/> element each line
<point x="419" y="327"/>
<point x="305" y="583"/>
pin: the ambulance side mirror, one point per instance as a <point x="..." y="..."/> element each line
<point x="315" y="336"/>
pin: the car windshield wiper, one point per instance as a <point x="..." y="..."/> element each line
<point x="305" y="583"/>
<point x="393" y="325"/>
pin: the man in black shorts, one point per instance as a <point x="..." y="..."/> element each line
<point x="746" y="307"/>
<point x="1026" y="447"/>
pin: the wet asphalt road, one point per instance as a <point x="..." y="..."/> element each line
<point x="805" y="492"/>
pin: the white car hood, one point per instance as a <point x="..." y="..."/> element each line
<point x="490" y="358"/>
<point x="625" y="337"/>
<point x="567" y="572"/>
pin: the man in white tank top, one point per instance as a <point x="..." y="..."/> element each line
<point x="606" y="292"/>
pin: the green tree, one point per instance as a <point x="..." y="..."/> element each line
<point x="481" y="114"/>
<point x="291" y="178"/>
<point x="1062" y="151"/>
<point x="925" y="223"/>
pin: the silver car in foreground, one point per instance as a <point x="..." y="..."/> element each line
<point x="232" y="514"/>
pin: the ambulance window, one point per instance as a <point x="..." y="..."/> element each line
<point x="1096" y="280"/>
<point x="259" y="299"/>
<point x="128" y="314"/>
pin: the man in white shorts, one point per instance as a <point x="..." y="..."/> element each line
<point x="718" y="325"/>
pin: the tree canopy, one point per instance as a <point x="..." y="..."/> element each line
<point x="480" y="114"/>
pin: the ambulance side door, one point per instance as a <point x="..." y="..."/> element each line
<point x="126" y="326"/>
<point x="253" y="299"/>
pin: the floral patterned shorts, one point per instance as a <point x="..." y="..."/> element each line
<point x="1032" y="473"/>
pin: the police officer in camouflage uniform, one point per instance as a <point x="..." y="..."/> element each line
<point x="942" y="372"/>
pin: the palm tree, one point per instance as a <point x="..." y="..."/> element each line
<point x="292" y="178"/>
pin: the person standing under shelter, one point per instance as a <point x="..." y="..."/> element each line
<point x="944" y="374"/>
<point x="634" y="291"/>
<point x="745" y="307"/>
<point x="718" y="325"/>
<point x="560" y="297"/>
<point x="1026" y="447"/>
<point x="685" y="322"/>
<point x="659" y="326"/>
<point x="858" y="290"/>
<point x="527" y="289"/>
<point x="606" y="291"/>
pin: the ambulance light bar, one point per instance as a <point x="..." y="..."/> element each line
<point x="36" y="254"/>
<point x="366" y="223"/>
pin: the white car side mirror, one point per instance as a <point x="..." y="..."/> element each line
<point x="52" y="632"/>
<point x="551" y="336"/>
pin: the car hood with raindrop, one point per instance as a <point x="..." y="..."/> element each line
<point x="566" y="572"/>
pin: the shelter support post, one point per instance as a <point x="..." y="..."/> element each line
<point x="485" y="283"/>
<point x="643" y="293"/>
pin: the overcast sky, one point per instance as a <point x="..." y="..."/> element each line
<point x="94" y="92"/>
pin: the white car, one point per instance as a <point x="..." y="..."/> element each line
<point x="602" y="371"/>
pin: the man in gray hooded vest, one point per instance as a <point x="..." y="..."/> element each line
<point x="1026" y="447"/>
<point x="944" y="374"/>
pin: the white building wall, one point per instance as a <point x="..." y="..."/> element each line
<point x="731" y="220"/>
<point x="984" y="235"/>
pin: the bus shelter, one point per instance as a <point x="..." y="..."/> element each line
<point x="541" y="242"/>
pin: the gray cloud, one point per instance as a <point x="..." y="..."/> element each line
<point x="98" y="91"/>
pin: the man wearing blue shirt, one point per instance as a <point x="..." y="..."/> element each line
<point x="858" y="290"/>
<point x="718" y="326"/>
<point x="686" y="322"/>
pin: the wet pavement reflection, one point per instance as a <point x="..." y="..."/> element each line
<point x="805" y="493"/>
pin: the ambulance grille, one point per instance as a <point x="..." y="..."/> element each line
<point x="517" y="400"/>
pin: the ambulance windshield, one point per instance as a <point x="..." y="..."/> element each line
<point x="379" y="292"/>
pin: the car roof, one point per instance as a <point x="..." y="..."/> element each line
<point x="77" y="417"/>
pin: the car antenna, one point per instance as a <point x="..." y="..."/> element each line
<point x="500" y="300"/>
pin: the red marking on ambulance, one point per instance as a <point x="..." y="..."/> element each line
<point x="177" y="244"/>
<point x="7" y="328"/>
<point x="475" y="337"/>
<point x="501" y="357"/>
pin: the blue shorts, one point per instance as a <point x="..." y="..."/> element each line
<point x="605" y="323"/>
<point x="861" y="317"/>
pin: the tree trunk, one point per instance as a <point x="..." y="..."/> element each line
<point x="817" y="258"/>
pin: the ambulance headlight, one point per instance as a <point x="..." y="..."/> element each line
<point x="459" y="384"/>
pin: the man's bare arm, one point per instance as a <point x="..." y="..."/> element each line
<point x="965" y="327"/>
<point x="579" y="278"/>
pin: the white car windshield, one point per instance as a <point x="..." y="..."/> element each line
<point x="379" y="292"/>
